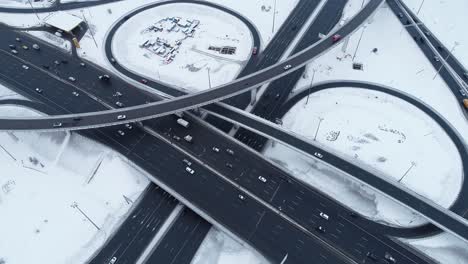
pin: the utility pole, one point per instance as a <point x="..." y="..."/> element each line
<point x="274" y="17"/>
<point x="446" y="58"/>
<point x="310" y="87"/>
<point x="407" y="171"/>
<point x="89" y="28"/>
<point x="35" y="11"/>
<point x="75" y="205"/>
<point x="359" y="42"/>
<point x="318" y="127"/>
<point x="209" y="78"/>
<point x="422" y="2"/>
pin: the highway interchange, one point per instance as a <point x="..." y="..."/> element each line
<point x="264" y="224"/>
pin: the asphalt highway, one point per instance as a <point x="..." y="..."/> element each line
<point x="458" y="89"/>
<point x="182" y="240"/>
<point x="161" y="163"/>
<point x="57" y="6"/>
<point x="152" y="110"/>
<point x="137" y="231"/>
<point x="279" y="90"/>
<point x="159" y="158"/>
<point x="447" y="220"/>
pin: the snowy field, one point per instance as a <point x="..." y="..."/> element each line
<point x="26" y="3"/>
<point x="47" y="179"/>
<point x="193" y="59"/>
<point x="380" y="131"/>
<point x="388" y="66"/>
<point x="447" y="19"/>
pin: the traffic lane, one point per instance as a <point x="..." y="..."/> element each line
<point x="427" y="51"/>
<point x="147" y="231"/>
<point x="435" y="213"/>
<point x="33" y="78"/>
<point x="242" y="167"/>
<point x="342" y="227"/>
<point x="181" y="241"/>
<point x="201" y="188"/>
<point x="202" y="98"/>
<point x="296" y="246"/>
<point x="228" y="206"/>
<point x="86" y="77"/>
<point x="139" y="218"/>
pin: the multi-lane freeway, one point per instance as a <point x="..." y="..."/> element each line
<point x="141" y="144"/>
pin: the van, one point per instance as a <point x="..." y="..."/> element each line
<point x="183" y="122"/>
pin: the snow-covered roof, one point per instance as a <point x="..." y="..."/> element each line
<point x="63" y="21"/>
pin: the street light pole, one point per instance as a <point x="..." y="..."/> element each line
<point x="274" y="17"/>
<point x="359" y="42"/>
<point x="310" y="87"/>
<point x="209" y="78"/>
<point x="445" y="60"/>
<point x="420" y="6"/>
<point x="407" y="171"/>
<point x="34" y="9"/>
<point x="318" y="127"/>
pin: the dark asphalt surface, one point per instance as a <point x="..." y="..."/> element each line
<point x="138" y="229"/>
<point x="279" y="90"/>
<point x="56" y="7"/>
<point x="151" y="110"/>
<point x="270" y="55"/>
<point x="397" y="8"/>
<point x="182" y="240"/>
<point x="433" y="212"/>
<point x="158" y="158"/>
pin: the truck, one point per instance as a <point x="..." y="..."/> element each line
<point x="465" y="103"/>
<point x="183" y="122"/>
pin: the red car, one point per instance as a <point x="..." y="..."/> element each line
<point x="254" y="51"/>
<point x="336" y="38"/>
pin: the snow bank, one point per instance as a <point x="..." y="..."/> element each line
<point x="47" y="179"/>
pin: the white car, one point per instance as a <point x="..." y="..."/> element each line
<point x="287" y="67"/>
<point x="262" y="179"/>
<point x="25" y="67"/>
<point x="318" y="155"/>
<point x="186" y="161"/>
<point x="230" y="151"/>
<point x="76" y="94"/>
<point x="324" y="216"/>
<point x="121" y="133"/>
<point x="58" y="124"/>
<point x="215" y="149"/>
<point x="121" y="117"/>
<point x="71" y="79"/>
<point x="113" y="260"/>
<point x="128" y="126"/>
<point x="241" y="197"/>
<point x="189" y="170"/>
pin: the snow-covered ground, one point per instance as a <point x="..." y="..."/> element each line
<point x="26" y="3"/>
<point x="218" y="248"/>
<point x="52" y="39"/>
<point x="47" y="179"/>
<point x="6" y="93"/>
<point x="189" y="69"/>
<point x="380" y="131"/>
<point x="389" y="66"/>
<point x="447" y="19"/>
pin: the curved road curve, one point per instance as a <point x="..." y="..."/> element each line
<point x="459" y="206"/>
<point x="451" y="221"/>
<point x="152" y="110"/>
